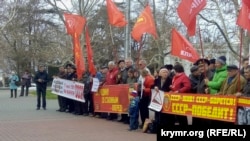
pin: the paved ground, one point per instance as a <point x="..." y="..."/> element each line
<point x="19" y="121"/>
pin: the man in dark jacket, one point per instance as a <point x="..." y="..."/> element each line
<point x="41" y="79"/>
<point x="246" y="90"/>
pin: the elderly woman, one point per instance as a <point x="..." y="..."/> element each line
<point x="163" y="83"/>
<point x="13" y="87"/>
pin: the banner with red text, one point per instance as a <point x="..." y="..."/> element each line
<point x="112" y="99"/>
<point x="69" y="89"/>
<point x="221" y="108"/>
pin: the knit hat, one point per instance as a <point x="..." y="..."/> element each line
<point x="222" y="60"/>
<point x="212" y="61"/>
<point x="133" y="93"/>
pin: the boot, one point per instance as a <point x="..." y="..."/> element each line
<point x="15" y="94"/>
<point x="11" y="95"/>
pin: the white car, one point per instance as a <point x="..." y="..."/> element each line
<point x="31" y="88"/>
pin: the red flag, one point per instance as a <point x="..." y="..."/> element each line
<point x="246" y="2"/>
<point x="243" y="19"/>
<point x="91" y="65"/>
<point x="74" y="23"/>
<point x="187" y="11"/>
<point x="79" y="62"/>
<point x="182" y="48"/>
<point x="144" y="23"/>
<point x="116" y="17"/>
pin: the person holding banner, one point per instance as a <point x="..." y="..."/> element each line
<point x="61" y="74"/>
<point x="219" y="76"/>
<point x="147" y="81"/>
<point x="71" y="75"/>
<point x="246" y="90"/>
<point x="245" y="63"/>
<point x="111" y="80"/>
<point x="162" y="83"/>
<point x="205" y="73"/>
<point x="233" y="83"/>
<point x="180" y="84"/>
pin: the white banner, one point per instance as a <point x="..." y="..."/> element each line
<point x="95" y="85"/>
<point x="69" y="89"/>
<point x="157" y="99"/>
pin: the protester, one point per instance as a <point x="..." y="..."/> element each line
<point x="233" y="83"/>
<point x="41" y="79"/>
<point x="180" y="84"/>
<point x="245" y="63"/>
<point x="219" y="76"/>
<point x="246" y="90"/>
<point x="147" y="81"/>
<point x="205" y="73"/>
<point x="194" y="78"/>
<point x="163" y="83"/>
<point x="61" y="74"/>
<point x="111" y="80"/>
<point x="212" y="65"/>
<point x="134" y="111"/>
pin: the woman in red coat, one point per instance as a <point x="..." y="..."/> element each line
<point x="180" y="84"/>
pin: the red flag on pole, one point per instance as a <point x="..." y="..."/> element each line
<point x="246" y="2"/>
<point x="91" y="65"/>
<point x="115" y="16"/>
<point x="243" y="19"/>
<point x="79" y="62"/>
<point x="145" y="23"/>
<point x="182" y="48"/>
<point x="74" y="23"/>
<point x="188" y="10"/>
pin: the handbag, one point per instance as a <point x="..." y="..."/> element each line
<point x="17" y="83"/>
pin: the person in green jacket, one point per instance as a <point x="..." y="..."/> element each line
<point x="220" y="75"/>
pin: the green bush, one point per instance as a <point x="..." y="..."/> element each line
<point x="49" y="95"/>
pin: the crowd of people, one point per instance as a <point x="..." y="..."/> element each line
<point x="214" y="77"/>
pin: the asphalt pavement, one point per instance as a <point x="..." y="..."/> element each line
<point x="20" y="121"/>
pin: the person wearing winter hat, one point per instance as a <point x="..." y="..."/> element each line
<point x="163" y="83"/>
<point x="219" y="76"/>
<point x="13" y="86"/>
<point x="134" y="111"/>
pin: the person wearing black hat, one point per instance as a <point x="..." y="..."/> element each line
<point x="212" y="65"/>
<point x="230" y="85"/>
<point x="122" y="79"/>
<point x="71" y="75"/>
<point x="205" y="72"/>
<point x="41" y="78"/>
<point x="219" y="76"/>
<point x="194" y="78"/>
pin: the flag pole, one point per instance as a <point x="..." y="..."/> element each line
<point x="113" y="43"/>
<point x="202" y="51"/>
<point x="239" y="85"/>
